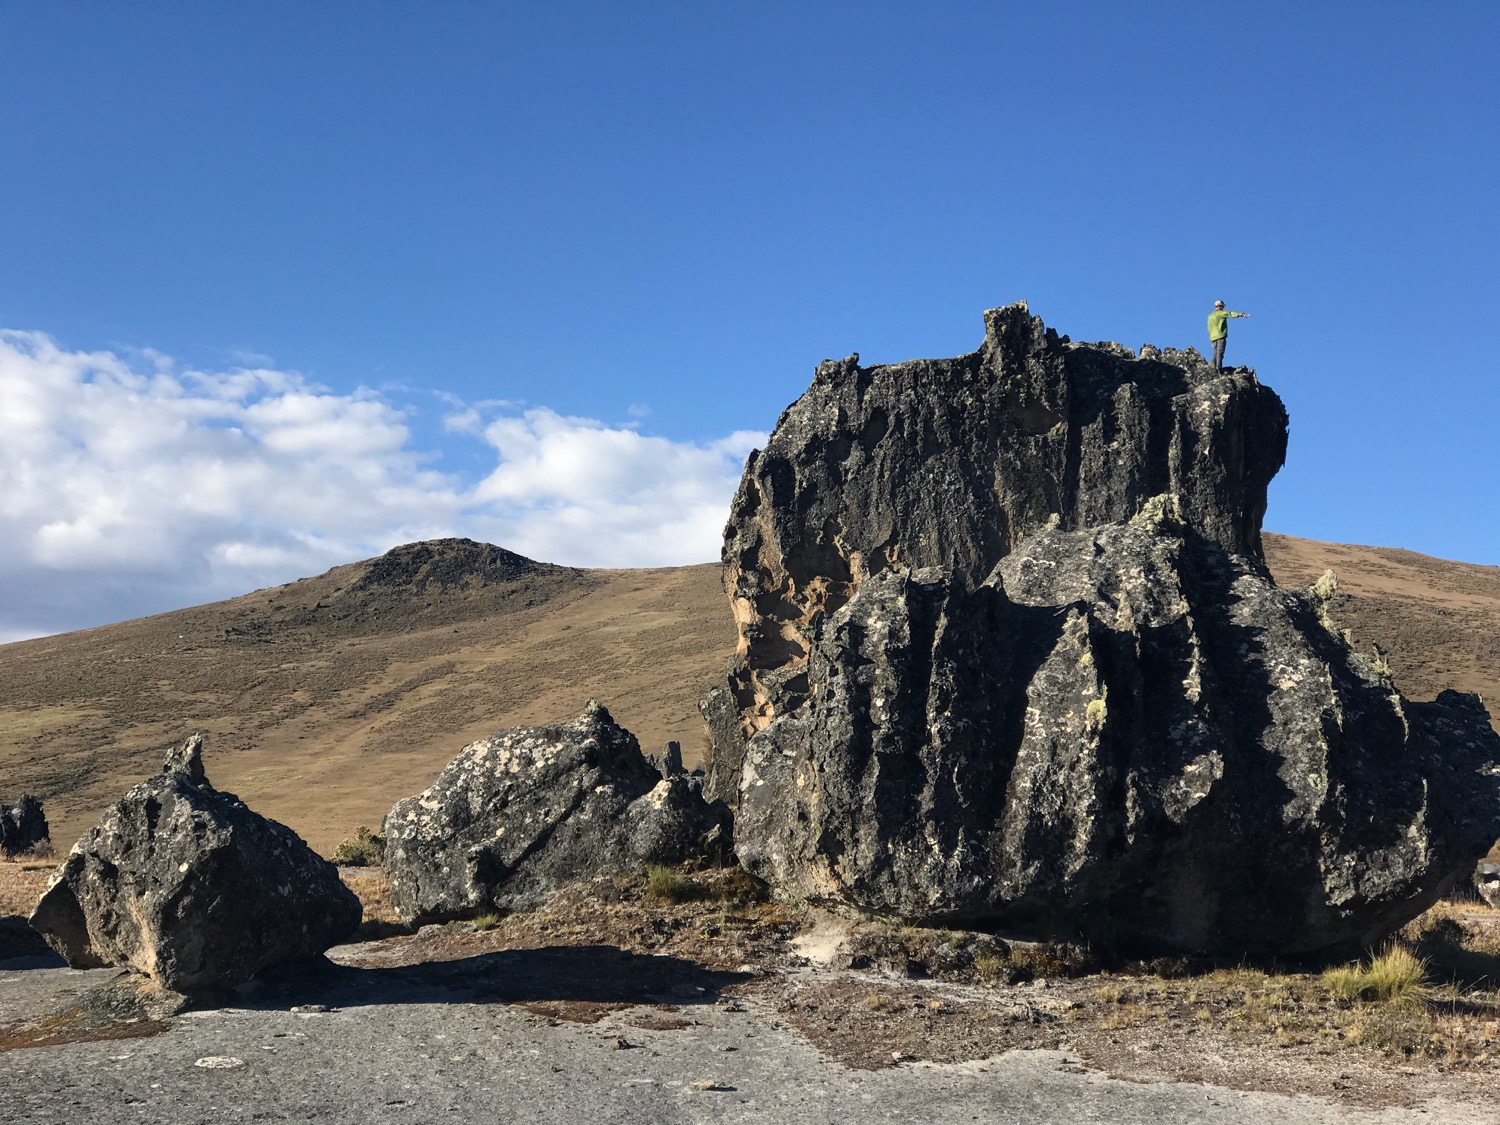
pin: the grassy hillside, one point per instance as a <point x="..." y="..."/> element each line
<point x="326" y="700"/>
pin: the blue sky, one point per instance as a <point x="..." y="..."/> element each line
<point x="288" y="283"/>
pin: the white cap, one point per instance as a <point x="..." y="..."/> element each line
<point x="1218" y="304"/>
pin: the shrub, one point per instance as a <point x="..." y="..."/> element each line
<point x="1396" y="975"/>
<point x="364" y="849"/>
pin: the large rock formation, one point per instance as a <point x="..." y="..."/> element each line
<point x="23" y="826"/>
<point x="187" y="885"/>
<point x="951" y="463"/>
<point x="518" y="814"/>
<point x="1098" y="720"/>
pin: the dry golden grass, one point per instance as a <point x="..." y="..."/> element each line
<point x="1395" y="975"/>
<point x="325" y="726"/>
<point x="22" y="883"/>
<point x="373" y="890"/>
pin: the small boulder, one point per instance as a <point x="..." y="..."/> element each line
<point x="23" y="825"/>
<point x="668" y="762"/>
<point x="187" y="885"/>
<point x="518" y="814"/>
<point x="1487" y="882"/>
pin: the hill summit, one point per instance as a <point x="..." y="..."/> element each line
<point x="449" y="563"/>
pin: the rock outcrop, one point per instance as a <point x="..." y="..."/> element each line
<point x="185" y="884"/>
<point x="951" y="463"/>
<point x="23" y="825"/>
<point x="1098" y="722"/>
<point x="518" y="814"/>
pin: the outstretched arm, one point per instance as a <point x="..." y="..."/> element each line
<point x="1234" y="314"/>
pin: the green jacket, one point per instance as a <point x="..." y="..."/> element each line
<point x="1217" y="329"/>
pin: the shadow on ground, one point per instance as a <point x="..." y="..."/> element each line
<point x="576" y="983"/>
<point x="569" y="974"/>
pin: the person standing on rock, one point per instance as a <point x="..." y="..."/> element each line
<point x="1218" y="331"/>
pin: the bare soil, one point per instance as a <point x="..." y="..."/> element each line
<point x="1277" y="1029"/>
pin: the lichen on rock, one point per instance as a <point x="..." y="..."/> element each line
<point x="518" y="814"/>
<point x="183" y="883"/>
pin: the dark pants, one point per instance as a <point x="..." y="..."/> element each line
<point x="1219" y="352"/>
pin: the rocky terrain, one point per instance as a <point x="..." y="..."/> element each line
<point x="324" y="731"/>
<point x="1119" y="581"/>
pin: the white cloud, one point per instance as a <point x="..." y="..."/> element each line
<point x="129" y="486"/>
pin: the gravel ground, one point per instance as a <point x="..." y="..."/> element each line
<point x="450" y="1042"/>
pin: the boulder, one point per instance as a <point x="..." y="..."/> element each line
<point x="23" y="825"/>
<point x="1128" y="736"/>
<point x="1122" y="732"/>
<point x="950" y="463"/>
<point x="187" y="885"/>
<point x="522" y="812"/>
<point x="1487" y="882"/>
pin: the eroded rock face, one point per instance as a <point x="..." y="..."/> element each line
<point x="1098" y="721"/>
<point x="1125" y="735"/>
<point x="187" y="885"/>
<point x="23" y="825"/>
<point x="520" y="813"/>
<point x="951" y="463"/>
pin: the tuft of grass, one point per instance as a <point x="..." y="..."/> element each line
<point x="486" y="922"/>
<point x="990" y="970"/>
<point x="668" y="885"/>
<point x="363" y="849"/>
<point x="1394" y="976"/>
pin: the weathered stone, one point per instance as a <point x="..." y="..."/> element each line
<point x="518" y="814"/>
<point x="1126" y="735"/>
<point x="23" y="825"/>
<point x="668" y="762"/>
<point x="951" y="463"/>
<point x="727" y="745"/>
<point x="1119" y="730"/>
<point x="187" y="885"/>
<point x="1487" y="882"/>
